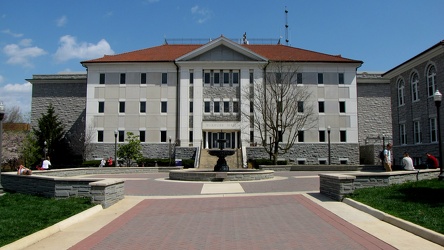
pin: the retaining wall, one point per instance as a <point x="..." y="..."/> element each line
<point x="336" y="186"/>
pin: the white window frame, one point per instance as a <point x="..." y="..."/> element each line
<point x="401" y="96"/>
<point x="416" y="132"/>
<point x="414" y="81"/>
<point x="431" y="80"/>
<point x="402" y="134"/>
<point x="433" y="129"/>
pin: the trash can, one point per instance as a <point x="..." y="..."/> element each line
<point x="178" y="162"/>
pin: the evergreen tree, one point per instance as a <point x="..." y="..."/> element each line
<point x="51" y="130"/>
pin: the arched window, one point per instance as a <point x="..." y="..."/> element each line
<point x="431" y="80"/>
<point x="401" y="87"/>
<point x="414" y="80"/>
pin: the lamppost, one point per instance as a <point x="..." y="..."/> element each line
<point x="2" y="114"/>
<point x="329" y="148"/>
<point x="45" y="149"/>
<point x="437" y="97"/>
<point x="169" y="151"/>
<point x="115" y="147"/>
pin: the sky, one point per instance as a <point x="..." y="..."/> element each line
<point x="54" y="36"/>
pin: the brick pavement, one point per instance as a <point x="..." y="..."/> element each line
<point x="249" y="222"/>
<point x="266" y="221"/>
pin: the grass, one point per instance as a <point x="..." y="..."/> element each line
<point x="420" y="202"/>
<point x="22" y="215"/>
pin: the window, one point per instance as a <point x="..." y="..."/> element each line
<point x="343" y="136"/>
<point x="216" y="107"/>
<point x="280" y="136"/>
<point x="402" y="134"/>
<point x="191" y="136"/>
<point x="102" y="79"/>
<point x="142" y="136"/>
<point x="251" y="77"/>
<point x="433" y="131"/>
<point x="321" y="135"/>
<point x="216" y="77"/>
<point x="226" y="77"/>
<point x="235" y="77"/>
<point x="299" y="78"/>
<point x="279" y="107"/>
<point x="341" y="107"/>
<point x="163" y="136"/>
<point x="207" y="107"/>
<point x="300" y="107"/>
<point x="320" y="78"/>
<point x="122" y="78"/>
<point x="226" y="107"/>
<point x="142" y="107"/>
<point x="143" y="78"/>
<point x="163" y="107"/>
<point x="101" y="107"/>
<point x="207" y="78"/>
<point x="164" y="78"/>
<point x="121" y="107"/>
<point x="431" y="80"/>
<point x="100" y="136"/>
<point x="322" y="162"/>
<point x="321" y="107"/>
<point x="235" y="107"/>
<point x="191" y="107"/>
<point x="191" y="77"/>
<point x="401" y="98"/>
<point x="416" y="132"/>
<point x="301" y="136"/>
<point x="121" y="136"/>
<point x="278" y="77"/>
<point x="341" y="78"/>
<point x="414" y="80"/>
<point x="251" y="107"/>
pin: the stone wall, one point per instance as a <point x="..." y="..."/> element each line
<point x="336" y="186"/>
<point x="312" y="153"/>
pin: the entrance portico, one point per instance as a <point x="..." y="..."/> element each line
<point x="229" y="131"/>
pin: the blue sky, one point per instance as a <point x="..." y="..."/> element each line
<point x="53" y="36"/>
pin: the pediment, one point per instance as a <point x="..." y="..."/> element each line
<point x="221" y="49"/>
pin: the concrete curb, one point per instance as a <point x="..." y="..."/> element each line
<point x="44" y="233"/>
<point x="405" y="225"/>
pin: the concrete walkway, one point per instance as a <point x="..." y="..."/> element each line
<point x="285" y="213"/>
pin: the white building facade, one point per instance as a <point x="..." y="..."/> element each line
<point x="192" y="95"/>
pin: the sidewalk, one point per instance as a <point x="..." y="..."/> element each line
<point x="255" y="215"/>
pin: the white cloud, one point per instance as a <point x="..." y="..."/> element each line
<point x="201" y="14"/>
<point x="22" y="53"/>
<point x="17" y="94"/>
<point x="9" y="32"/>
<point x="70" y="49"/>
<point x="61" y="21"/>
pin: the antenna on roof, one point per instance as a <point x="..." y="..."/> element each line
<point x="286" y="26"/>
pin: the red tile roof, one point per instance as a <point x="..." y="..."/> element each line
<point x="169" y="53"/>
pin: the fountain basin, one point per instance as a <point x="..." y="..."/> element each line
<point x="232" y="175"/>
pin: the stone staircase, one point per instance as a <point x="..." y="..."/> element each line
<point x="208" y="161"/>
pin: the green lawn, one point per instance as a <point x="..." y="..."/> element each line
<point x="22" y="215"/>
<point x="419" y="202"/>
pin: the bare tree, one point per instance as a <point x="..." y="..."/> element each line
<point x="281" y="109"/>
<point x="14" y="115"/>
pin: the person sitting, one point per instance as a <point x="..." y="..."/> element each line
<point x="431" y="161"/>
<point x="22" y="170"/>
<point x="110" y="162"/>
<point x="46" y="163"/>
<point x="407" y="162"/>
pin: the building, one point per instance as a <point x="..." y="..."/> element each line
<point x="414" y="115"/>
<point x="189" y="95"/>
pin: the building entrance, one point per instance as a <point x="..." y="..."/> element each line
<point x="232" y="139"/>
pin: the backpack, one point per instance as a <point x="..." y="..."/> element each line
<point x="381" y="155"/>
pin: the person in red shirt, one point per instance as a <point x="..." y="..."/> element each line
<point x="110" y="162"/>
<point x="431" y="161"/>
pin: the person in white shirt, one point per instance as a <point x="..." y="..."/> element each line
<point x="46" y="163"/>
<point x="407" y="162"/>
<point x="388" y="158"/>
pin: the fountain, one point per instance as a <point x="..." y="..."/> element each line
<point x="221" y="171"/>
<point x="221" y="153"/>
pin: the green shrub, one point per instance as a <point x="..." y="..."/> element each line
<point x="92" y="163"/>
<point x="257" y="162"/>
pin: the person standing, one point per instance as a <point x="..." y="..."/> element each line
<point x="388" y="158"/>
<point x="407" y="162"/>
<point x="46" y="163"/>
<point x="102" y="163"/>
<point x="431" y="161"/>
